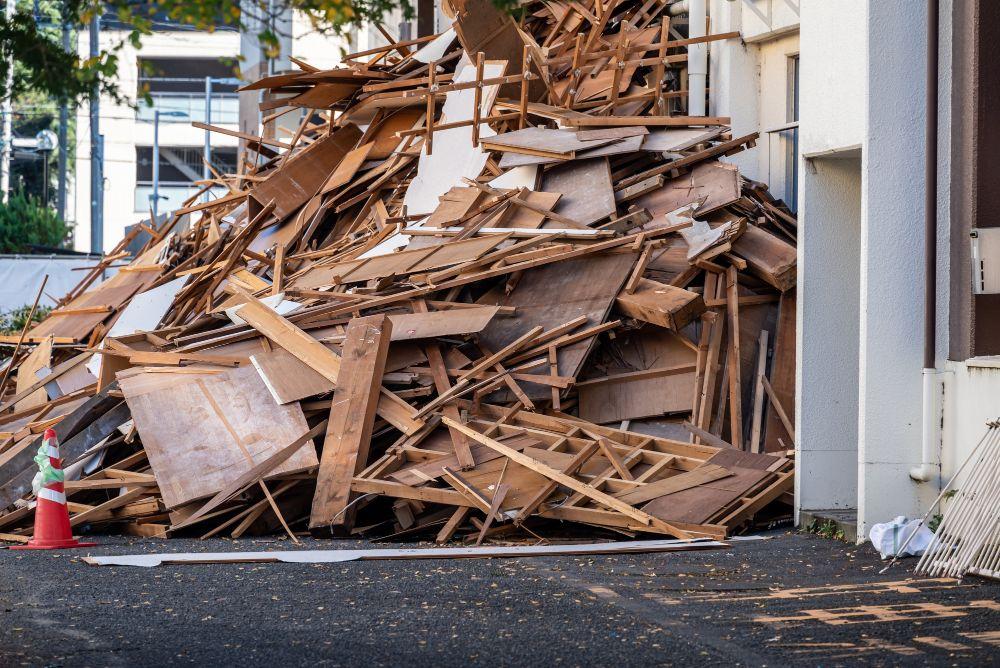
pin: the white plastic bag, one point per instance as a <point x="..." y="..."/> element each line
<point x="889" y="537"/>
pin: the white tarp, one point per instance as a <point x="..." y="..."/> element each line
<point x="21" y="276"/>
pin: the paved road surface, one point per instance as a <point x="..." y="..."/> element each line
<point x="791" y="600"/>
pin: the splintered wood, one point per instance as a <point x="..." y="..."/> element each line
<point x="492" y="284"/>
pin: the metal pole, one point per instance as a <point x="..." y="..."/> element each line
<point x="96" y="150"/>
<point x="63" y="134"/>
<point x="154" y="204"/>
<point x="930" y="189"/>
<point x="45" y="178"/>
<point x="6" y="110"/>
<point x="205" y="172"/>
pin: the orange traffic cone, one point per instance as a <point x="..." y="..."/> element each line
<point x="52" y="530"/>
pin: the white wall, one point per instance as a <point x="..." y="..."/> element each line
<point x="832" y="79"/>
<point x="749" y="82"/>
<point x="832" y="124"/>
<point x="971" y="397"/>
<point x="21" y="276"/>
<point x="826" y="412"/>
<point x="891" y="351"/>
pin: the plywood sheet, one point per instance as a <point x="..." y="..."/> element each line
<point x="537" y="141"/>
<point x="304" y="173"/>
<point x="614" y="147"/>
<point x="202" y="431"/>
<point x="553" y="295"/>
<point x="401" y="263"/>
<point x="113" y="293"/>
<point x="287" y="378"/>
<point x="677" y="139"/>
<point x="719" y="182"/>
<point x="40" y="358"/>
<point x="698" y="504"/>
<point x="585" y="186"/>
<point x="650" y="348"/>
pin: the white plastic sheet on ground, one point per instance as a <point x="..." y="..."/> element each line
<point x="334" y="556"/>
<point x="889" y="537"/>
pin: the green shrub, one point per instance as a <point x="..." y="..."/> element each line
<point x="24" y="222"/>
<point x="12" y="322"/>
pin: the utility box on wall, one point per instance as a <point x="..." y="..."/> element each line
<point x="986" y="261"/>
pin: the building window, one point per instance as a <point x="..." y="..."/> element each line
<point x="177" y="86"/>
<point x="791" y="136"/>
<point x="180" y="167"/>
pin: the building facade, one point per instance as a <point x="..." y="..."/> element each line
<point x="172" y="66"/>
<point x="838" y="90"/>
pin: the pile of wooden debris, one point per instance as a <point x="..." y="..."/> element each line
<point x="487" y="282"/>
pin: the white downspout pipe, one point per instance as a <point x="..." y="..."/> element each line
<point x="697" y="57"/>
<point x="928" y="469"/>
<point x="930" y="427"/>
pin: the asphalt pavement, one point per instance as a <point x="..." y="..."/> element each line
<point x="793" y="599"/>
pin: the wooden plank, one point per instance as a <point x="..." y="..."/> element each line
<point x="103" y="510"/>
<point x="446" y="497"/>
<point x="315" y="355"/>
<point x="661" y="304"/>
<point x="758" y="394"/>
<point x="287" y="335"/>
<point x="676" y="483"/>
<point x="778" y="409"/>
<point x="302" y="175"/>
<point x="770" y="258"/>
<point x="782" y="378"/>
<point x="352" y="416"/>
<point x="735" y="380"/>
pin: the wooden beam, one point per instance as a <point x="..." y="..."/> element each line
<point x="352" y="416"/>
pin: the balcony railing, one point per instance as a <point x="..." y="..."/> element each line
<point x="225" y="108"/>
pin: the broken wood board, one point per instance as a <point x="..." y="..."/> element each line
<point x="661" y="304"/>
<point x="223" y="423"/>
<point x="586" y="189"/>
<point x="302" y="175"/>
<point x="584" y="287"/>
<point x="648" y="373"/>
<point x="718" y="183"/>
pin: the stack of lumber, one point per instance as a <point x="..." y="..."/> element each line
<point x="490" y="283"/>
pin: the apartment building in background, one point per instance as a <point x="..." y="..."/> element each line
<point x="172" y="65"/>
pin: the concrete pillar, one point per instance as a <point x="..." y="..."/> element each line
<point x="891" y="266"/>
